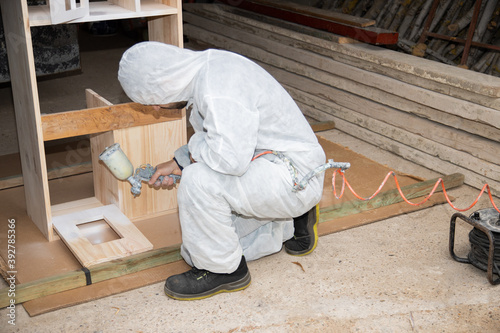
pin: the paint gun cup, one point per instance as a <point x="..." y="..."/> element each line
<point x="120" y="166"/>
<point x="117" y="162"/>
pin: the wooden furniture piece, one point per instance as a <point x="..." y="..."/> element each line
<point x="150" y="142"/>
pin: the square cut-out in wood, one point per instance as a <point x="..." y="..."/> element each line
<point x="131" y="240"/>
<point x="98" y="232"/>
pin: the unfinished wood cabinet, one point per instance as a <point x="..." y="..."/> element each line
<point x="141" y="143"/>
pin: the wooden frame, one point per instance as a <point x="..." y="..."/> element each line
<point x="165" y="25"/>
<point x="131" y="241"/>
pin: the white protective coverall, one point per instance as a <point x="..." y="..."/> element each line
<point x="229" y="205"/>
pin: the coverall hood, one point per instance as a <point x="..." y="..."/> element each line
<point x="154" y="73"/>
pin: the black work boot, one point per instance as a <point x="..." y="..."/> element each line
<point x="305" y="236"/>
<point x="198" y="283"/>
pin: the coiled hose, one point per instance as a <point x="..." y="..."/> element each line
<point x="478" y="254"/>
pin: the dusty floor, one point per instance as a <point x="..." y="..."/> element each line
<point x="395" y="275"/>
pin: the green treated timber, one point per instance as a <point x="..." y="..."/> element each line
<point x="51" y="285"/>
<point x="388" y="197"/>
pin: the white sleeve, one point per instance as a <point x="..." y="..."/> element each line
<point x="229" y="137"/>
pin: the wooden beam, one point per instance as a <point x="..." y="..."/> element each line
<point x="317" y="12"/>
<point x="370" y="35"/>
<point x="102" y="119"/>
<point x="101" y="272"/>
<point x="389" y="197"/>
<point x="27" y="109"/>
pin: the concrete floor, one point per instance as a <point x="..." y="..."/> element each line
<point x="395" y="275"/>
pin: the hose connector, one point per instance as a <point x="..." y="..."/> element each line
<point x="343" y="166"/>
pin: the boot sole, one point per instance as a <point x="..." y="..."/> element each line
<point x="223" y="288"/>
<point x="314" y="243"/>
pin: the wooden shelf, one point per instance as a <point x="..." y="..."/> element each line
<point x="164" y="25"/>
<point x="103" y="11"/>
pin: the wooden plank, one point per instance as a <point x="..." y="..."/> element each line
<point x="131" y="240"/>
<point x="3" y="270"/>
<point x="434" y="81"/>
<point x="478" y="83"/>
<point x="102" y="119"/>
<point x="455" y="112"/>
<point x="316" y="12"/>
<point x="476" y="146"/>
<point x="371" y="35"/>
<point x="54" y="173"/>
<point x="27" y="109"/>
<point x="98" y="273"/>
<point x="389" y="197"/>
<point x="95" y="100"/>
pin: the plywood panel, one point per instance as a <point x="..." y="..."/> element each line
<point x="151" y="144"/>
<point x="105" y="187"/>
<point x="132" y="241"/>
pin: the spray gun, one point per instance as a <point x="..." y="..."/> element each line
<point x="121" y="167"/>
